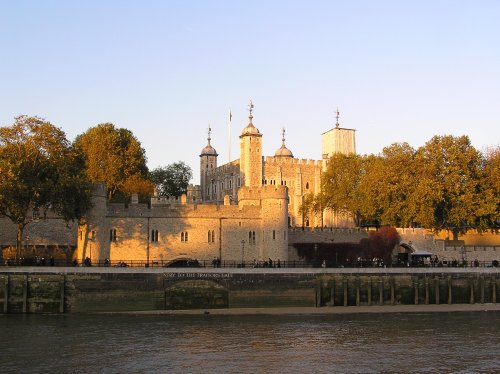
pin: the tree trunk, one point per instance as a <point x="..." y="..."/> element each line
<point x="19" y="241"/>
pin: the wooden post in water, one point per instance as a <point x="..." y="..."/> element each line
<point x="481" y="280"/>
<point x="426" y="290"/>
<point x="416" y="290"/>
<point x="391" y="282"/>
<point x="369" y="290"/>
<point x="344" y="281"/>
<point x="449" y="290"/>
<point x="61" y="292"/>
<point x="25" y="294"/>
<point x="494" y="290"/>
<point x="6" y="294"/>
<point x="357" y="291"/>
<point x="471" y="281"/>
<point x="381" y="291"/>
<point x="332" y="293"/>
<point x="318" y="293"/>
<point x="436" y="289"/>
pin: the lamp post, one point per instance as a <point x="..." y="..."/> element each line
<point x="91" y="240"/>
<point x="242" y="252"/>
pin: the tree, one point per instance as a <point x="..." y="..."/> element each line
<point x="390" y="180"/>
<point x="340" y="183"/>
<point x="39" y="171"/>
<point x="114" y="157"/>
<point x="451" y="192"/>
<point x="173" y="179"/>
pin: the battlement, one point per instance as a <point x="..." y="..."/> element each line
<point x="264" y="192"/>
<point x="182" y="211"/>
<point x="292" y="161"/>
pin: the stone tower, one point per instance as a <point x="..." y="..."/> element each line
<point x="94" y="232"/>
<point x="338" y="140"/>
<point x="208" y="161"/>
<point x="251" y="154"/>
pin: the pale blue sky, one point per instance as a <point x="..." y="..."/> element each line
<point x="398" y="70"/>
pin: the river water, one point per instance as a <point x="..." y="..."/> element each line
<point x="369" y="343"/>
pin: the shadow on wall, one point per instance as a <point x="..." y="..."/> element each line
<point x="32" y="254"/>
<point x="379" y="244"/>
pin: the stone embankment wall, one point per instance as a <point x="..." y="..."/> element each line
<point x="484" y="247"/>
<point x="81" y="290"/>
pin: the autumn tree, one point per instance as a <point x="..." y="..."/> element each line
<point x="391" y="181"/>
<point x="114" y="157"/>
<point x="39" y="171"/>
<point x="173" y="179"/>
<point x="451" y="192"/>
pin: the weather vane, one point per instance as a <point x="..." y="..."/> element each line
<point x="209" y="131"/>
<point x="337" y="117"/>
<point x="250" y="107"/>
<point x="283" y="135"/>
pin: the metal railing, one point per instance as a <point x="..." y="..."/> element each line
<point x="40" y="261"/>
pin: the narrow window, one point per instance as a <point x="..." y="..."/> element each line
<point x="152" y="235"/>
<point x="156" y="235"/>
<point x="114" y="235"/>
<point x="307" y="185"/>
<point x="249" y="237"/>
<point x="253" y="237"/>
<point x="209" y="236"/>
<point x="274" y="234"/>
<point x="182" y="236"/>
<point x="213" y="236"/>
<point x="185" y="236"/>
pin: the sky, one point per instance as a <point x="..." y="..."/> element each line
<point x="398" y="71"/>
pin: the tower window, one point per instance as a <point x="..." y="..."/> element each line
<point x="154" y="235"/>
<point x="184" y="236"/>
<point x="274" y="234"/>
<point x="112" y="235"/>
<point x="307" y="185"/>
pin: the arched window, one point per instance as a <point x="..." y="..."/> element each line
<point x="253" y="237"/>
<point x="213" y="236"/>
<point x="182" y="236"/>
<point x="186" y="236"/>
<point x="249" y="237"/>
<point x="209" y="236"/>
<point x="307" y="185"/>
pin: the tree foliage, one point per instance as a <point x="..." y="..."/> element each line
<point x="173" y="179"/>
<point x="41" y="171"/>
<point x="451" y="192"/>
<point x="444" y="185"/>
<point x="340" y="184"/>
<point x="114" y="157"/>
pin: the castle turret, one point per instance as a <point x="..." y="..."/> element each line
<point x="251" y="154"/>
<point x="208" y="162"/>
<point x="283" y="151"/>
<point x="94" y="232"/>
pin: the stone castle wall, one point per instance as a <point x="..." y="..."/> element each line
<point x="254" y="229"/>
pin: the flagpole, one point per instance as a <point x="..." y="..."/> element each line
<point x="229" y="136"/>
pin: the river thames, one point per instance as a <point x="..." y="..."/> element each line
<point x="363" y="343"/>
